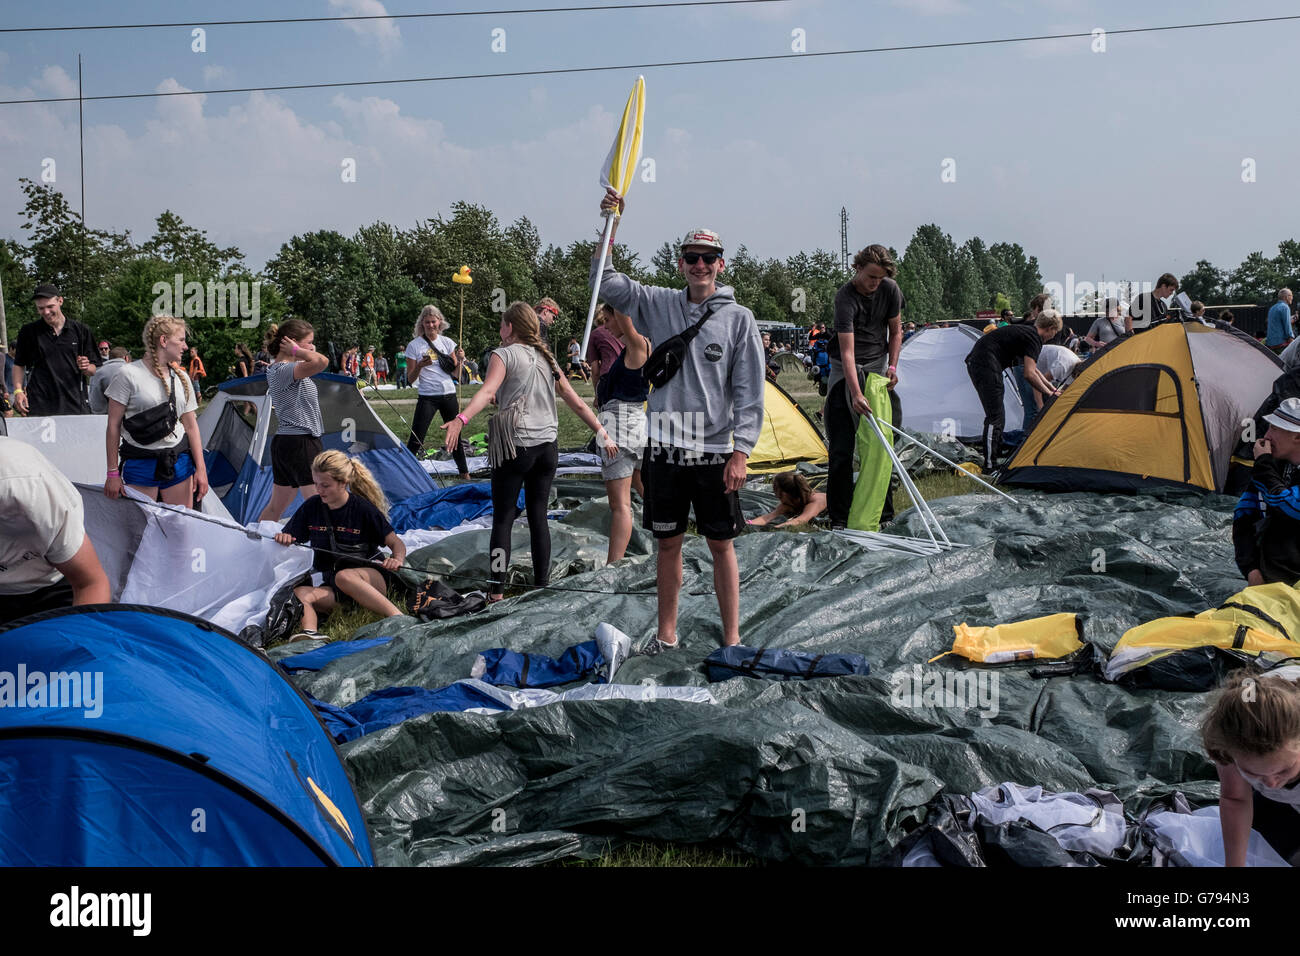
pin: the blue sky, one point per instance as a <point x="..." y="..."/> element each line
<point x="1123" y="163"/>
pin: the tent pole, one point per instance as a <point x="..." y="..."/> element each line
<point x="902" y="434"/>
<point x="922" y="507"/>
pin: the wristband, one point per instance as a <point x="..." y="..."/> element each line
<point x="295" y="350"/>
<point x="893" y="368"/>
<point x="114" y="474"/>
<point x="463" y="419"/>
<point x="18" y="391"/>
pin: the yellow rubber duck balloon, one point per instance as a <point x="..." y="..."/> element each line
<point x="462" y="279"/>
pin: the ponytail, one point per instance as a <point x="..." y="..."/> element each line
<point x="523" y="321"/>
<point x="354" y="474"/>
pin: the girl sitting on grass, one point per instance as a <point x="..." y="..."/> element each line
<point x="797" y="500"/>
<point x="1252" y="733"/>
<point x="338" y="520"/>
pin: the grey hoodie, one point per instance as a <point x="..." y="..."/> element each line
<point x="100" y="381"/>
<point x="715" y="403"/>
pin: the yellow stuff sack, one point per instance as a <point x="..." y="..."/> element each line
<point x="1056" y="635"/>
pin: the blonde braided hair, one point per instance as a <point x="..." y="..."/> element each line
<point x="154" y="330"/>
<point x="352" y="473"/>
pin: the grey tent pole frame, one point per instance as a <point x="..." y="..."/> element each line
<point x="976" y="478"/>
<point x="922" y="508"/>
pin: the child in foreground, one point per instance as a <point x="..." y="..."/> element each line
<point x="348" y="515"/>
<point x="1252" y="733"/>
<point x="797" y="501"/>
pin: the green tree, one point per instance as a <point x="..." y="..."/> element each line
<point x="1204" y="282"/>
<point x="1254" y="280"/>
<point x="188" y="248"/>
<point x="921" y="284"/>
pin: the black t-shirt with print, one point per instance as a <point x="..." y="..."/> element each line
<point x="357" y="525"/>
<point x="1007" y="346"/>
<point x="54" y="384"/>
<point x="1147" y="310"/>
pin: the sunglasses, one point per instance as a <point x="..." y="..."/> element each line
<point x="690" y="258"/>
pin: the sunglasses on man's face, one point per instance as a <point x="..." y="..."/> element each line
<point x="690" y="258"/>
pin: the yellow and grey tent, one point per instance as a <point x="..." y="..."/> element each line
<point x="788" y="436"/>
<point x="1259" y="623"/>
<point x="1160" y="407"/>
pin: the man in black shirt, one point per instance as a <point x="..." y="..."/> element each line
<point x="868" y="336"/>
<point x="998" y="351"/>
<point x="1147" y="308"/>
<point x="55" y="358"/>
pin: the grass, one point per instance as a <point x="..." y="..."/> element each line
<point x="665" y="854"/>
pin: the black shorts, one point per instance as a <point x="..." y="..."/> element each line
<point x="672" y="488"/>
<point x="14" y="606"/>
<point x="291" y="458"/>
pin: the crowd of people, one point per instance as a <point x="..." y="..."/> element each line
<point x="679" y="394"/>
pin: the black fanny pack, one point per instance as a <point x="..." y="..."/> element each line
<point x="670" y="355"/>
<point x="154" y="424"/>
<point x="445" y="362"/>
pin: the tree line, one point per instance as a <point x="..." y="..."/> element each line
<point x="368" y="288"/>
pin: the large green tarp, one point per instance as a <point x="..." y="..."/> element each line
<point x="831" y="771"/>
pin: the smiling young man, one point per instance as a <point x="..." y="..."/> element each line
<point x="868" y="336"/>
<point x="55" y="358"/>
<point x="702" y="424"/>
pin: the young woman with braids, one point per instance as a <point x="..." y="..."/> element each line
<point x="524" y="378"/>
<point x="297" y="407"/>
<point x="348" y="515"/>
<point x="153" y="436"/>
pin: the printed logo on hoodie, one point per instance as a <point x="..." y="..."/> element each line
<point x="713" y="352"/>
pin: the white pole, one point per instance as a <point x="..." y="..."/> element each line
<point x="902" y="434"/>
<point x="600" y="269"/>
<point x="922" y="507"/>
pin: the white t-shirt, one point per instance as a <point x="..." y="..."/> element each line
<point x="1057" y="363"/>
<point x="433" y="380"/>
<point x="42" y="517"/>
<point x="136" y="387"/>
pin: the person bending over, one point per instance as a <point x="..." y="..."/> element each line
<point x="1266" y="524"/>
<point x="798" y="503"/>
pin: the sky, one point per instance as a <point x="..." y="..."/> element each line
<point x="1124" y="162"/>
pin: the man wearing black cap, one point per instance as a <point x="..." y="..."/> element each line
<point x="55" y="358"/>
<point x="1266" y="526"/>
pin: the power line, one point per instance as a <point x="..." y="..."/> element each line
<point x="388" y="16"/>
<point x="649" y="66"/>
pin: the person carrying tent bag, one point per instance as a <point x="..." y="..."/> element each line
<point x="432" y="361"/>
<point x="524" y="379"/>
<point x="160" y="454"/>
<point x="868" y="337"/>
<point x="297" y="409"/>
<point x="345" y="522"/>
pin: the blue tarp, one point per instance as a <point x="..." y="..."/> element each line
<point x="446" y="507"/>
<point x="315" y="660"/>
<point x="130" y="718"/>
<point x="776" y="663"/>
<point x="507" y="668"/>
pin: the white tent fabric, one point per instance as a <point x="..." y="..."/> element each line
<point x="75" y="444"/>
<point x="170" y="557"/>
<point x="1058" y="363"/>
<point x="935" y="391"/>
<point x="1196" y="839"/>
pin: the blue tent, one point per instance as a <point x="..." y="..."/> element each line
<point x="134" y="736"/>
<point x="237" y="426"/>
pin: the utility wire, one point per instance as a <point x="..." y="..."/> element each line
<point x="389" y="16"/>
<point x="656" y="65"/>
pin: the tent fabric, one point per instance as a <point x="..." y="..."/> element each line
<point x="166" y="556"/>
<point x="237" y="426"/>
<point x="1160" y="407"/>
<point x="75" y="445"/>
<point x="183" y="716"/>
<point x="1195" y="838"/>
<point x="502" y="666"/>
<point x="314" y="660"/>
<point x="936" y="393"/>
<point x="787" y="437"/>
<point x="445" y="507"/>
<point x="1257" y="623"/>
<point x="578" y="777"/>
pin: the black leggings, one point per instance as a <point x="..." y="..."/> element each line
<point x="988" y="382"/>
<point x="532" y="469"/>
<point x="425" y="406"/>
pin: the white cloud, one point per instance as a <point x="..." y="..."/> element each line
<point x="933" y="8"/>
<point x="213" y="73"/>
<point x="56" y="81"/>
<point x="383" y="32"/>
